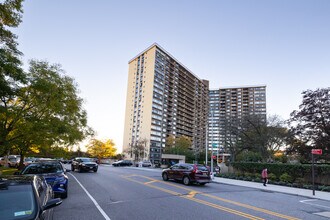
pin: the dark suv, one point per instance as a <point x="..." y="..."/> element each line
<point x="84" y="164"/>
<point x="122" y="163"/>
<point x="188" y="173"/>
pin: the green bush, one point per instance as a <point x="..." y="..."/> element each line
<point x="239" y="174"/>
<point x="294" y="170"/>
<point x="300" y="181"/>
<point x="326" y="188"/>
<point x="250" y="175"/>
<point x="307" y="186"/>
<point x="257" y="176"/>
<point x="249" y="156"/>
<point x="272" y="177"/>
<point x="285" y="178"/>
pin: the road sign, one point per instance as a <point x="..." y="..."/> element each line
<point x="317" y="151"/>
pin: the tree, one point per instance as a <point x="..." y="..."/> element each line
<point x="254" y="133"/>
<point x="137" y="149"/>
<point x="11" y="73"/>
<point x="178" y="145"/>
<point x="101" y="149"/>
<point x="311" y="123"/>
<point x="46" y="111"/>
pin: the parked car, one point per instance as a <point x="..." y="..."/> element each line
<point x="64" y="161"/>
<point x="188" y="173"/>
<point x="84" y="164"/>
<point x="13" y="160"/>
<point x="54" y="173"/>
<point x="2" y="161"/>
<point x="28" y="161"/>
<point x="144" y="163"/>
<point x="96" y="160"/>
<point x="26" y="197"/>
<point x="122" y="163"/>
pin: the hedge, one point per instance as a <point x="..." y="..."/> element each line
<point x="294" y="170"/>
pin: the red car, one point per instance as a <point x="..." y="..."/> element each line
<point x="188" y="173"/>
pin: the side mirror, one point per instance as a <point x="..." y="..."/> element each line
<point x="52" y="203"/>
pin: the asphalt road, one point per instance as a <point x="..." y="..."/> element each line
<point x="135" y="193"/>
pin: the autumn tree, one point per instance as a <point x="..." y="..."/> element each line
<point x="46" y="111"/>
<point x="101" y="149"/>
<point x="311" y="123"/>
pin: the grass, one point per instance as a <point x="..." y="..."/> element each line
<point x="7" y="171"/>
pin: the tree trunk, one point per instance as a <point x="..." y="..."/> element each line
<point x="21" y="162"/>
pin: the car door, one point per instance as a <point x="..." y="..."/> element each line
<point x="172" y="171"/>
<point x="42" y="195"/>
<point x="181" y="171"/>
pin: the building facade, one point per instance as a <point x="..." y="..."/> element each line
<point x="163" y="98"/>
<point x="232" y="103"/>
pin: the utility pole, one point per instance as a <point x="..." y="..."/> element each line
<point x="206" y="145"/>
<point x="212" y="177"/>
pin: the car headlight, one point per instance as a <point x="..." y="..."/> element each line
<point x="83" y="165"/>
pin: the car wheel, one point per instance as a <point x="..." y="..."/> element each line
<point x="95" y="170"/>
<point x="165" y="176"/>
<point x="72" y="168"/>
<point x="202" y="184"/>
<point x="186" y="180"/>
<point x="79" y="169"/>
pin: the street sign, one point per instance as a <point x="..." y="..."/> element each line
<point x="317" y="151"/>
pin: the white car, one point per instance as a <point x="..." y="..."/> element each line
<point x="144" y="163"/>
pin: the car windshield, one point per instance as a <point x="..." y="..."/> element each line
<point x="20" y="203"/>
<point x="13" y="159"/>
<point x="43" y="168"/>
<point x="202" y="168"/>
<point x="87" y="160"/>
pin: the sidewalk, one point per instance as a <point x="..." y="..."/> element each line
<point x="275" y="188"/>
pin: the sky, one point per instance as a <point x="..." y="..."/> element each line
<point x="282" y="44"/>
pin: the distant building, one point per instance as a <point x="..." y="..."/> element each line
<point x="232" y="103"/>
<point x="163" y="98"/>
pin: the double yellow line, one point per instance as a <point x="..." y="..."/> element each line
<point x="191" y="195"/>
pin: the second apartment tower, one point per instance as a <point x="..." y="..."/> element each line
<point x="163" y="98"/>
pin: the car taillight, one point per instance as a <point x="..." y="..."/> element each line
<point x="194" y="169"/>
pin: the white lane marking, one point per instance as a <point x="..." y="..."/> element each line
<point x="313" y="200"/>
<point x="93" y="200"/>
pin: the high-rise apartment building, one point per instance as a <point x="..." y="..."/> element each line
<point x="232" y="103"/>
<point x="163" y="98"/>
